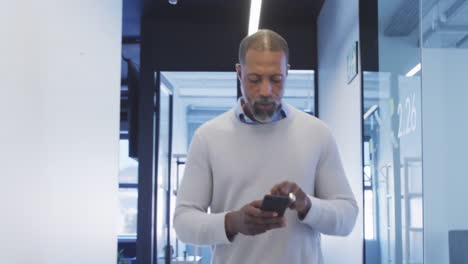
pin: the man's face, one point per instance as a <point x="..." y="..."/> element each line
<point x="262" y="76"/>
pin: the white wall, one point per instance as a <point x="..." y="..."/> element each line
<point x="59" y="136"/>
<point x="340" y="108"/>
<point x="445" y="129"/>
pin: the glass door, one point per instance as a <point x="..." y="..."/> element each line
<point x="198" y="98"/>
<point x="165" y="249"/>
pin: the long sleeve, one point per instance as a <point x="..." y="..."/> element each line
<point x="191" y="221"/>
<point x="333" y="207"/>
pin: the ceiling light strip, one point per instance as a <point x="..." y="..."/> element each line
<point x="415" y="70"/>
<point x="254" y="19"/>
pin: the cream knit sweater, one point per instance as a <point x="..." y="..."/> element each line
<point x="231" y="163"/>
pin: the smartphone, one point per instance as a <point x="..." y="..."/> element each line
<point x="275" y="203"/>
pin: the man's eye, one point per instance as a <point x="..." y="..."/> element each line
<point x="254" y="80"/>
<point x="276" y="79"/>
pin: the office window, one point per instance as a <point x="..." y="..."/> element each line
<point x="300" y="90"/>
<point x="128" y="194"/>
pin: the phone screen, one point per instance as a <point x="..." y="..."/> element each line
<point x="275" y="203"/>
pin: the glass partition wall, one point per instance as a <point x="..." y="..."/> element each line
<point x="415" y="136"/>
<point x="164" y="153"/>
<point x="393" y="180"/>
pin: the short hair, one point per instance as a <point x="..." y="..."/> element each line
<point x="263" y="40"/>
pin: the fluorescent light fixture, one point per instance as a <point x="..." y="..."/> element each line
<point x="370" y="111"/>
<point x="254" y="19"/>
<point x="413" y="71"/>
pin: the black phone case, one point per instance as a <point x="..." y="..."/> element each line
<point x="275" y="203"/>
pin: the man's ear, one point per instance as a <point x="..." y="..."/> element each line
<point x="239" y="71"/>
<point x="287" y="70"/>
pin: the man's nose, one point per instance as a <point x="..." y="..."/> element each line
<point x="265" y="88"/>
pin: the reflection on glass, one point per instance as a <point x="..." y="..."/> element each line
<point x="392" y="128"/>
<point x="128" y="167"/>
<point x="178" y="165"/>
<point x="128" y="194"/>
<point x="127" y="223"/>
<point x="369" y="214"/>
<point x="165" y="249"/>
<point x="416" y="217"/>
<point x="415" y="254"/>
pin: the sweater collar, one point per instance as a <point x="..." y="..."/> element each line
<point x="240" y="114"/>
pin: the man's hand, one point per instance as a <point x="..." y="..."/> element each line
<point x="250" y="220"/>
<point x="301" y="205"/>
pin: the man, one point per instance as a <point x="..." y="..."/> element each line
<point x="263" y="146"/>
